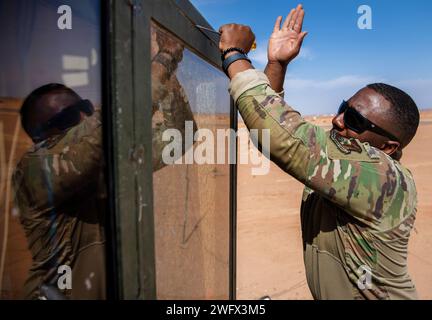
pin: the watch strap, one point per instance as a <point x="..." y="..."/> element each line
<point x="231" y="59"/>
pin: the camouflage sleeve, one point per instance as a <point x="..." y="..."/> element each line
<point x="171" y="111"/>
<point x="365" y="182"/>
<point x="56" y="169"/>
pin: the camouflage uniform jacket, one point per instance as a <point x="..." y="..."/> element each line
<point x="59" y="191"/>
<point x="358" y="207"/>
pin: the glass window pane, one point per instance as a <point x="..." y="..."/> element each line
<point x="191" y="200"/>
<point x="52" y="193"/>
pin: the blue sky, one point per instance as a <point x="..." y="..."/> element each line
<point x="337" y="57"/>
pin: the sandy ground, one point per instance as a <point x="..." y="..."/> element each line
<point x="269" y="247"/>
<point x="269" y="259"/>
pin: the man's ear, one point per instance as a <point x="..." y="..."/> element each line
<point x="391" y="148"/>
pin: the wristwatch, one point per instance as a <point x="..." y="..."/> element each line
<point x="228" y="61"/>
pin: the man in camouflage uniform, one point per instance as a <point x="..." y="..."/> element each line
<point x="359" y="202"/>
<point x="59" y="182"/>
<point x="59" y="189"/>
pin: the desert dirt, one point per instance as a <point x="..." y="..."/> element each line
<point x="269" y="245"/>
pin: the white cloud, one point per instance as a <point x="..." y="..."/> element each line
<point x="311" y="96"/>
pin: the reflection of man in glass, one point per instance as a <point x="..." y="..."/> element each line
<point x="59" y="190"/>
<point x="59" y="181"/>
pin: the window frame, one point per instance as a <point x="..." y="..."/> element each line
<point x="126" y="60"/>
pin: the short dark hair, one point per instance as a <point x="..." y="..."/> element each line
<point x="31" y="100"/>
<point x="404" y="112"/>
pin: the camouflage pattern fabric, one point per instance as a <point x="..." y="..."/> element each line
<point x="358" y="207"/>
<point x="171" y="107"/>
<point x="60" y="193"/>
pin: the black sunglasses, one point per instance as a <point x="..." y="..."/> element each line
<point x="355" y="121"/>
<point x="65" y="119"/>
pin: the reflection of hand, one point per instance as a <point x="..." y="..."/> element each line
<point x="237" y="36"/>
<point x="285" y="42"/>
<point x="169" y="46"/>
<point x="166" y="55"/>
<point x="174" y="50"/>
